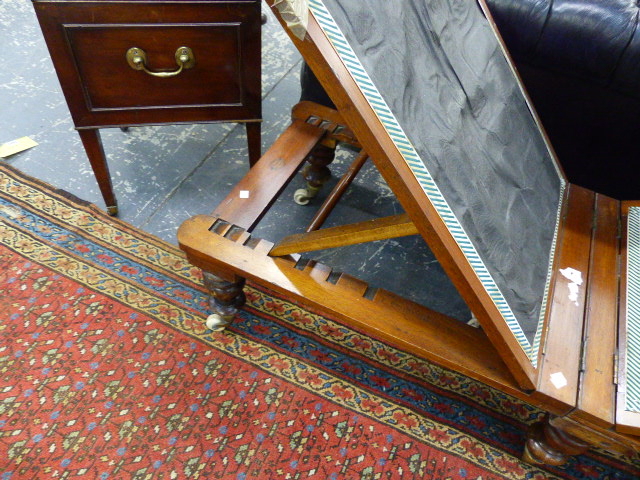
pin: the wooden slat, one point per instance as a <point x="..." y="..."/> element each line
<point x="336" y="194"/>
<point x="369" y="231"/>
<point x="255" y="193"/>
<point x="560" y="363"/>
<point x="596" y="396"/>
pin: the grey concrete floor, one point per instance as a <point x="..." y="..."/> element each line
<point x="162" y="175"/>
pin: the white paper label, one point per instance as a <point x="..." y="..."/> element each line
<point x="575" y="278"/>
<point x="558" y="380"/>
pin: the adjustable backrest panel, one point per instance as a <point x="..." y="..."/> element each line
<point x="437" y="77"/>
<point x="429" y="90"/>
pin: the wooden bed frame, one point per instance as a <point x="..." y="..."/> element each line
<point x="579" y="377"/>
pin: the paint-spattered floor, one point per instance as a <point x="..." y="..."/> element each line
<point x="162" y="175"/>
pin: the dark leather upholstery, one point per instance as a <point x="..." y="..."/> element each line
<point x="580" y="62"/>
<point x="596" y="40"/>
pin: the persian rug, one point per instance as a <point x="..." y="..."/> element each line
<point x="107" y="371"/>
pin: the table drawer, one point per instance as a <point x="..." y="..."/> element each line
<point x="109" y="81"/>
<point x="88" y="42"/>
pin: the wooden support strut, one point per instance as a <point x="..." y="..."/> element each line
<point x="336" y="194"/>
<point x="369" y="231"/>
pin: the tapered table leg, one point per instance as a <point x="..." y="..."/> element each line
<point x="253" y="140"/>
<point x="93" y="146"/>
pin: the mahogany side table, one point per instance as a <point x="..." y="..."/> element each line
<point x="149" y="62"/>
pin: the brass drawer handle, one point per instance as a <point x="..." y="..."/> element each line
<point x="137" y="59"/>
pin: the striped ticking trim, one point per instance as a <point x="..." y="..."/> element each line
<point x="632" y="398"/>
<point x="417" y="166"/>
<point x="543" y="308"/>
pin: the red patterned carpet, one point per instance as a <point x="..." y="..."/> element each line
<point x="108" y="372"/>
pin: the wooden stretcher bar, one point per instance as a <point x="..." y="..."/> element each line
<point x="369" y="231"/>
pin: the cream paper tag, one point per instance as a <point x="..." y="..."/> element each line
<point x="16" y="146"/>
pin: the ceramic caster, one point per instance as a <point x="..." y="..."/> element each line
<point x="217" y="323"/>
<point x="302" y="196"/>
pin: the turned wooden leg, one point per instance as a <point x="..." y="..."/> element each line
<point x="253" y="141"/>
<point x="316" y="172"/>
<point x="225" y="299"/>
<point x="549" y="445"/>
<point x="93" y="146"/>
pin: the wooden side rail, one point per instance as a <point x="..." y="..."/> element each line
<point x="252" y="196"/>
<point x="231" y="252"/>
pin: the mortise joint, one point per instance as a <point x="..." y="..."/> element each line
<point x="370" y="293"/>
<point x="252" y="242"/>
<point x="302" y="263"/>
<point x="234" y="232"/>
<point x="334" y="277"/>
<point x="219" y="226"/>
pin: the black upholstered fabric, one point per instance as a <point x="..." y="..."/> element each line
<point x="453" y="94"/>
<point x="580" y="63"/>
